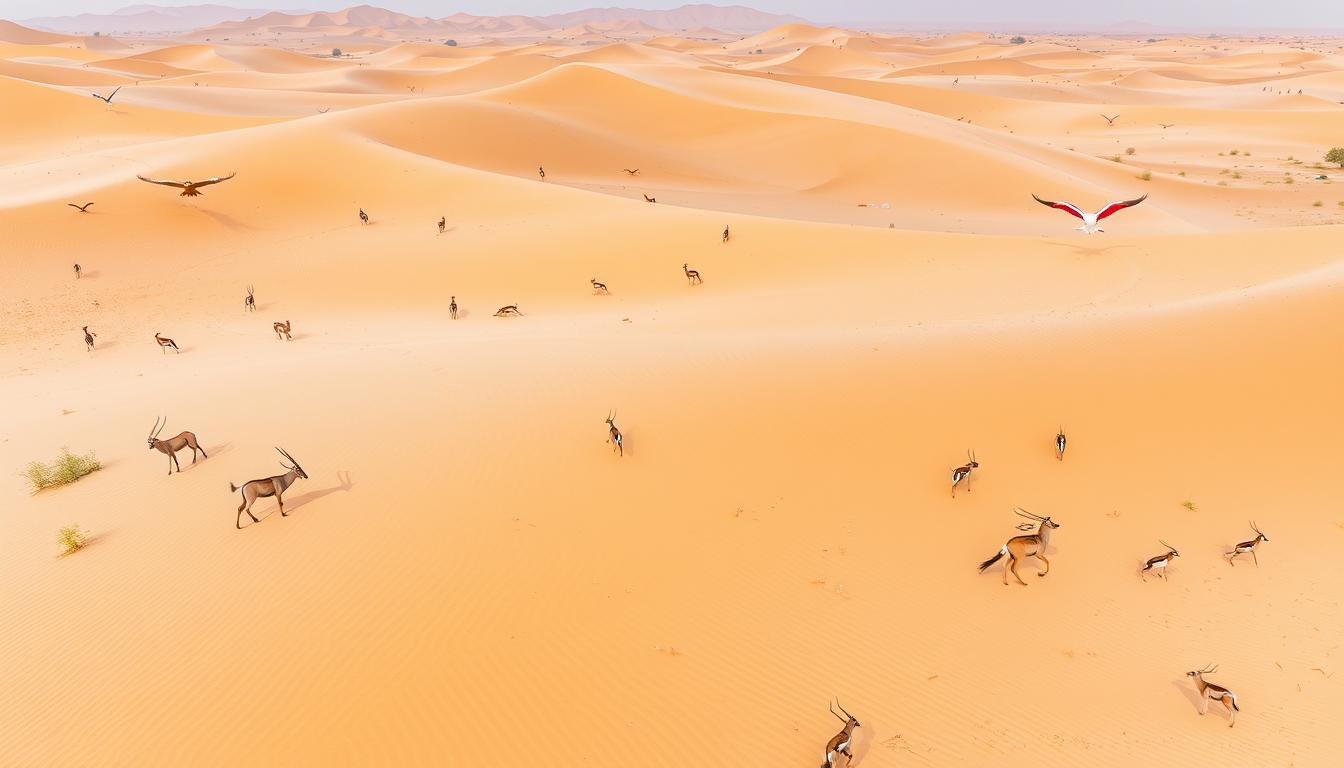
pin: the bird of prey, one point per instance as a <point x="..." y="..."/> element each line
<point x="632" y="173"/>
<point x="82" y="208"/>
<point x="1166" y="125"/>
<point x="1091" y="220"/>
<point x="1111" y="120"/>
<point x="107" y="98"/>
<point x="189" y="188"/>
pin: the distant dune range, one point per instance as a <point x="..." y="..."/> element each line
<point x="471" y="576"/>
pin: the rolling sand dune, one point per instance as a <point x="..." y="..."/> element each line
<point x="470" y="576"/>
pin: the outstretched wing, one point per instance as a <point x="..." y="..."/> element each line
<point x="1117" y="205"/>
<point x="1068" y="207"/>
<point x="214" y="180"/>
<point x="165" y="183"/>
<point x="113" y="93"/>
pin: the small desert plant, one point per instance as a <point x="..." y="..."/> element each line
<point x="1335" y="156"/>
<point x="336" y="53"/>
<point x="71" y="539"/>
<point x="1129" y="150"/>
<point x="1115" y="159"/>
<point x="1317" y="204"/>
<point x="1018" y="40"/>
<point x="1182" y="173"/>
<point x="1190" y="505"/>
<point x="450" y="43"/>
<point x="1236" y="174"/>
<point x="1287" y="179"/>
<point x="1235" y="152"/>
<point x="1145" y="176"/>
<point x="67" y="468"/>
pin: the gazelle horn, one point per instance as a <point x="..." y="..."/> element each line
<point x="833" y="712"/>
<point x="1025" y="513"/>
<point x="842" y="709"/>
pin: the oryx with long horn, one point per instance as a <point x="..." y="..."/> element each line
<point x="1020" y="548"/>
<point x="268" y="486"/>
<point x="174" y="444"/>
<point x="841" y="743"/>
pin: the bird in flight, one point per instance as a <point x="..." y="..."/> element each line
<point x="632" y="173"/>
<point x="107" y="98"/>
<point x="82" y="208"/>
<point x="1091" y="220"/>
<point x="1111" y="120"/>
<point x="1166" y="125"/>
<point x="189" y="188"/>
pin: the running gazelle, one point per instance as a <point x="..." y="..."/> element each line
<point x="1160" y="562"/>
<point x="964" y="473"/>
<point x="1248" y="546"/>
<point x="841" y="743"/>
<point x="1208" y="691"/>
<point x="1020" y="548"/>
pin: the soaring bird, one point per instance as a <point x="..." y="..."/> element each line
<point x="189" y="188"/>
<point x="82" y="208"/>
<point x="1091" y="220"/>
<point x="107" y="98"/>
<point x="1111" y="120"/>
<point x="1166" y="125"/>
<point x="631" y="172"/>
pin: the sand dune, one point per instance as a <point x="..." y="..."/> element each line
<point x="470" y="575"/>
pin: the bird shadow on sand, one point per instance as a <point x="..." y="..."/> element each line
<point x="343" y="483"/>
<point x="1081" y="250"/>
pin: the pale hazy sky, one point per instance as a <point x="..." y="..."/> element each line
<point x="1318" y="14"/>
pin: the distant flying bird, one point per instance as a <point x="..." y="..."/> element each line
<point x="107" y="98"/>
<point x="363" y="217"/>
<point x="1091" y="220"/>
<point x="1111" y="120"/>
<point x="82" y="208"/>
<point x="632" y="173"/>
<point x="189" y="188"/>
<point x="648" y="199"/>
<point x="1166" y="125"/>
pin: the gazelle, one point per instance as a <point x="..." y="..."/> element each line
<point x="964" y="473"/>
<point x="452" y="307"/>
<point x="725" y="233"/>
<point x="443" y="222"/>
<point x="1160" y="562"/>
<point x="541" y="171"/>
<point x="1061" y="442"/>
<point x="1248" y="546"/>
<point x="79" y="271"/>
<point x="614" y="435"/>
<point x="165" y="343"/>
<point x="841" y="742"/>
<point x="508" y="310"/>
<point x="268" y="486"/>
<point x="282" y="328"/>
<point x="599" y="287"/>
<point x="1218" y="693"/>
<point x="88" y="338"/>
<point x="363" y="217"/>
<point x="692" y="276"/>
<point x="250" y="301"/>
<point x="174" y="444"/>
<point x="1020" y="548"/>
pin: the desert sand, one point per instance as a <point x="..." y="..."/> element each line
<point x="471" y="576"/>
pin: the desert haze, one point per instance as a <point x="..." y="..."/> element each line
<point x="822" y="285"/>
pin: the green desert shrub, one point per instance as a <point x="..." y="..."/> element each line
<point x="1146" y="176"/>
<point x="336" y="53"/>
<point x="1018" y="40"/>
<point x="1129" y="150"/>
<point x="67" y="468"/>
<point x="1335" y="156"/>
<point x="71" y="539"/>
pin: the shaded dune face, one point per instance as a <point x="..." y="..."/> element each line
<point x="466" y="553"/>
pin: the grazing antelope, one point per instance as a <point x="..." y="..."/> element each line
<point x="1061" y="442"/>
<point x="174" y="444"/>
<point x="268" y="486"/>
<point x="964" y="473"/>
<point x="165" y="343"/>
<point x="725" y="233"/>
<point x="508" y="310"/>
<point x="250" y="301"/>
<point x="692" y="276"/>
<point x="541" y="172"/>
<point x="282" y="328"/>
<point x="363" y="217"/>
<point x="1248" y="546"/>
<point x="1160" y="562"/>
<point x="1110" y="120"/>
<point x="79" y="271"/>
<point x="841" y="742"/>
<point x="452" y="307"/>
<point x="89" y="337"/>
<point x="82" y="208"/>
<point x="443" y="222"/>
<point x="1218" y="693"/>
<point x="648" y="199"/>
<point x="614" y="435"/>
<point x="599" y="287"/>
<point x="1020" y="548"/>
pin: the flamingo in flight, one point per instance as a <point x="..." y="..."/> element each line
<point x="1092" y="220"/>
